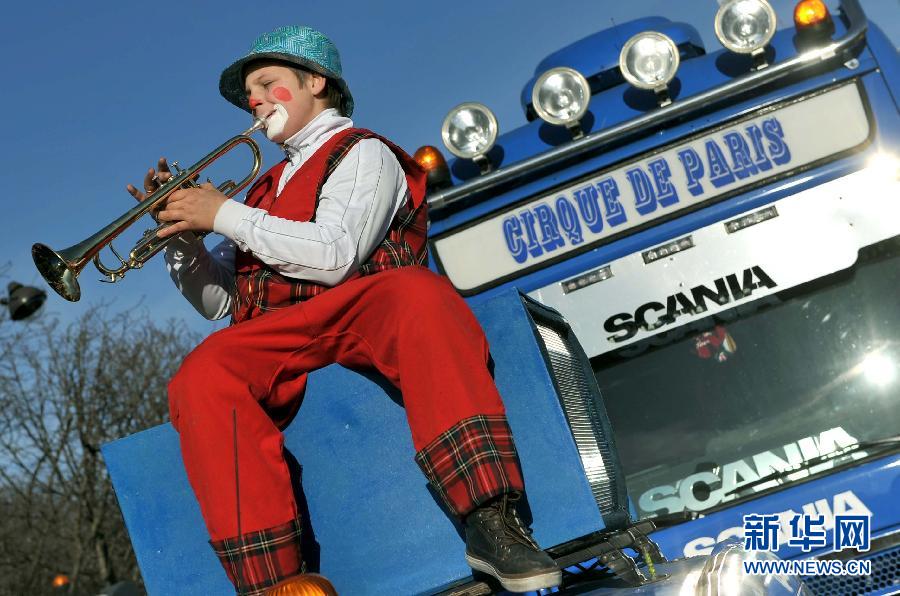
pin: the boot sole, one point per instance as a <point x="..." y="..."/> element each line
<point x="530" y="583"/>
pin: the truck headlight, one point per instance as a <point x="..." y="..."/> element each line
<point x="745" y="26"/>
<point x="469" y="131"/>
<point x="561" y="96"/>
<point x="649" y="60"/>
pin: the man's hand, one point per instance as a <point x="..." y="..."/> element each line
<point x="191" y="209"/>
<point x="152" y="180"/>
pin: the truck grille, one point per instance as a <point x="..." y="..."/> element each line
<point x="885" y="578"/>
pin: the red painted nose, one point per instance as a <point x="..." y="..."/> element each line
<point x="254" y="102"/>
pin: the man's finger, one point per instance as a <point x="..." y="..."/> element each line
<point x="138" y="195"/>
<point x="176" y="213"/>
<point x="163" y="173"/>
<point x="149" y="181"/>
<point x="168" y="215"/>
<point x="171" y="230"/>
<point x="179" y="195"/>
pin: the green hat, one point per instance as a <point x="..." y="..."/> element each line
<point x="294" y="44"/>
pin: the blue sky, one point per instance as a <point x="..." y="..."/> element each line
<point x="97" y="91"/>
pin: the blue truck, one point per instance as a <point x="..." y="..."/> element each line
<point x="719" y="229"/>
<point x="686" y="265"/>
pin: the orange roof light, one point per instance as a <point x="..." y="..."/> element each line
<point x="306" y="584"/>
<point x="60" y="580"/>
<point x="429" y="158"/>
<point x="809" y="13"/>
<point x="433" y="162"/>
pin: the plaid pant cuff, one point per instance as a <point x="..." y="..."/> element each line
<point x="472" y="462"/>
<point x="258" y="560"/>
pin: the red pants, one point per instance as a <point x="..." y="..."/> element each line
<point x="407" y="323"/>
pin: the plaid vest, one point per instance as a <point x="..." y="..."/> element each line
<point x="259" y="288"/>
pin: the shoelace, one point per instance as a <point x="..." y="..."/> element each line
<point x="514" y="526"/>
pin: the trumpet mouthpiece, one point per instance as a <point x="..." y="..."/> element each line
<point x="258" y="124"/>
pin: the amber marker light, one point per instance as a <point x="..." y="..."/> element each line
<point x="809" y="13"/>
<point x="60" y="581"/>
<point x="433" y="162"/>
<point x="307" y="584"/>
<point x="813" y="23"/>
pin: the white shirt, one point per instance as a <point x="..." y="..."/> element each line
<point x="356" y="206"/>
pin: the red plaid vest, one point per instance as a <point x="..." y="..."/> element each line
<point x="259" y="288"/>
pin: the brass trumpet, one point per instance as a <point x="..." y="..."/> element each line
<point x="61" y="268"/>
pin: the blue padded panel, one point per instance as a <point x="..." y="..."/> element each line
<point x="162" y="515"/>
<point x="379" y="528"/>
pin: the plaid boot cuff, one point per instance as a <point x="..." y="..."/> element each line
<point x="472" y="462"/>
<point x="259" y="560"/>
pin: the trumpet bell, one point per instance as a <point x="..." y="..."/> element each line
<point x="57" y="272"/>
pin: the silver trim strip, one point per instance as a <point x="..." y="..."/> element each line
<point x="578" y="406"/>
<point x="856" y="32"/>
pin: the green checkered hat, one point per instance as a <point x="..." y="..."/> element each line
<point x="302" y="46"/>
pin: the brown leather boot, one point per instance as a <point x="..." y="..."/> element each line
<point x="306" y="584"/>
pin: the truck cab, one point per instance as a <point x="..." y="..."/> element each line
<point x="686" y="265"/>
<point x="722" y="232"/>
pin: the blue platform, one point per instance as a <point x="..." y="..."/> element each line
<point x="379" y="528"/>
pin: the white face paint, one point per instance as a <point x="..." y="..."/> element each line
<point x="276" y="121"/>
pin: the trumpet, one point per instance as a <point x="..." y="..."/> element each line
<point x="61" y="268"/>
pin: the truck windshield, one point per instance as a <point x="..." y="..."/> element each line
<point x="702" y="409"/>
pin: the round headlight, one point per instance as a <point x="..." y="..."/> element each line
<point x="561" y="95"/>
<point x="744" y="26"/>
<point x="649" y="60"/>
<point x="469" y="130"/>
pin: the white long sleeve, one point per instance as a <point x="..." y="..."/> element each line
<point x="204" y="277"/>
<point x="357" y="204"/>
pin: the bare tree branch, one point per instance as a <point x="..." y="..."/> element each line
<point x="64" y="392"/>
